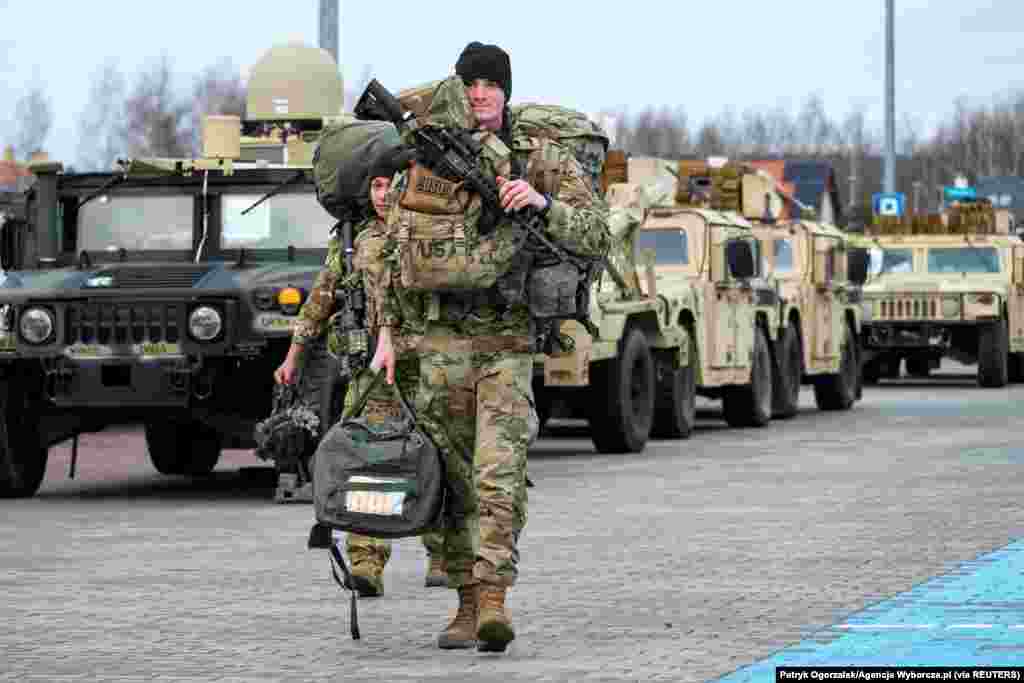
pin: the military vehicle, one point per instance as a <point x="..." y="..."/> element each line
<point x="948" y="285"/>
<point x="163" y="293"/>
<point x="702" y="323"/>
<point x="820" y="312"/>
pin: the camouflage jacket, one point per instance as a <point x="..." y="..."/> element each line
<point x="577" y="220"/>
<point x="313" y="316"/>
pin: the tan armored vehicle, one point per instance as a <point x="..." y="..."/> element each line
<point x="818" y="273"/>
<point x="807" y="261"/>
<point x="949" y="285"/>
<point x="695" y="319"/>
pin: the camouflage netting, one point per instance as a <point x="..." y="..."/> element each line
<point x="977" y="218"/>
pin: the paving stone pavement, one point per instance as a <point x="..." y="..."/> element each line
<point x="683" y="563"/>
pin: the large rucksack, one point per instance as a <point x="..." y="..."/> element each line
<point x="343" y="159"/>
<point x="572" y="129"/>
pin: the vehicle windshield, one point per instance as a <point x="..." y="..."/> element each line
<point x="281" y="221"/>
<point x="891" y="261"/>
<point x="670" y="246"/>
<point x="963" y="260"/>
<point x="112" y="222"/>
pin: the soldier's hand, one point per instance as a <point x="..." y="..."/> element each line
<point x="384" y="356"/>
<point x="285" y="374"/>
<point x="518" y="194"/>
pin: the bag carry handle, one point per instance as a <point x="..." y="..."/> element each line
<point x="360" y="403"/>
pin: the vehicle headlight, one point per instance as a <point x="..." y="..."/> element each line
<point x="36" y="325"/>
<point x="950" y="308"/>
<point x="867" y="310"/>
<point x="205" y="323"/>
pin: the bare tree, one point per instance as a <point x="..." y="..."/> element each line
<point x="155" y="117"/>
<point x="217" y="90"/>
<point x="99" y="134"/>
<point x="33" y="118"/>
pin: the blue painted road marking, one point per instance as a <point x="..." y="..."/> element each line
<point x="972" y="616"/>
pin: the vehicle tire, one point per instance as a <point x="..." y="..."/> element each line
<point x="622" y="397"/>
<point x="839" y="391"/>
<point x="675" y="407"/>
<point x="787" y="373"/>
<point x="182" y="446"/>
<point x="751" y="405"/>
<point x="22" y="453"/>
<point x="542" y="402"/>
<point x="1015" y="371"/>
<point x="918" y="367"/>
<point x="993" y="355"/>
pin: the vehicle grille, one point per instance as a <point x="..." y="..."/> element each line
<point x="164" y="277"/>
<point x="909" y="308"/>
<point x="124" y="323"/>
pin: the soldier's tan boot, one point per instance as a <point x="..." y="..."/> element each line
<point x="437" y="573"/>
<point x="368" y="579"/>
<point x="494" y="629"/>
<point x="461" y="633"/>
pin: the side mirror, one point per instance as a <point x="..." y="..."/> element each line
<point x="739" y="254"/>
<point x="857" y="262"/>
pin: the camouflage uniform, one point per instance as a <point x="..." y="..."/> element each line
<point x="475" y="398"/>
<point x="382" y="404"/>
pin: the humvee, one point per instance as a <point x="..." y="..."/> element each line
<point x="820" y="312"/>
<point x="697" y="319"/>
<point x="948" y="285"/>
<point x="163" y="293"/>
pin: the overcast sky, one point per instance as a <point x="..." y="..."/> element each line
<point x="705" y="56"/>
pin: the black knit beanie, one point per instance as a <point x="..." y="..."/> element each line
<point x="486" y="61"/>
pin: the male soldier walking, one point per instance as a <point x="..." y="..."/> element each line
<point x="476" y="364"/>
<point x="368" y="556"/>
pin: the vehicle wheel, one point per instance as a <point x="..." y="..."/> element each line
<point x="622" y="397"/>
<point x="918" y="367"/>
<point x="182" y="446"/>
<point x="993" y="355"/>
<point x="542" y="402"/>
<point x="22" y="453"/>
<point x="751" y="405"/>
<point x="839" y="391"/>
<point x="675" y="409"/>
<point x="1015" y="371"/>
<point x="787" y="372"/>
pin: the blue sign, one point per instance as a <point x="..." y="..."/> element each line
<point x="959" y="194"/>
<point x="889" y="203"/>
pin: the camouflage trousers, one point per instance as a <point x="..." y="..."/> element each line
<point x="381" y="405"/>
<point x="476" y="402"/>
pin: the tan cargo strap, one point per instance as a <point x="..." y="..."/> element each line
<point x="497" y="343"/>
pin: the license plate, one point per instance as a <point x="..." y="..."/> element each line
<point x="157" y="349"/>
<point x="88" y="351"/>
<point x="273" y="322"/>
<point x="7" y="343"/>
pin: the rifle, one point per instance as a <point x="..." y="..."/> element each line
<point x="454" y="155"/>
<point x="350" y="318"/>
